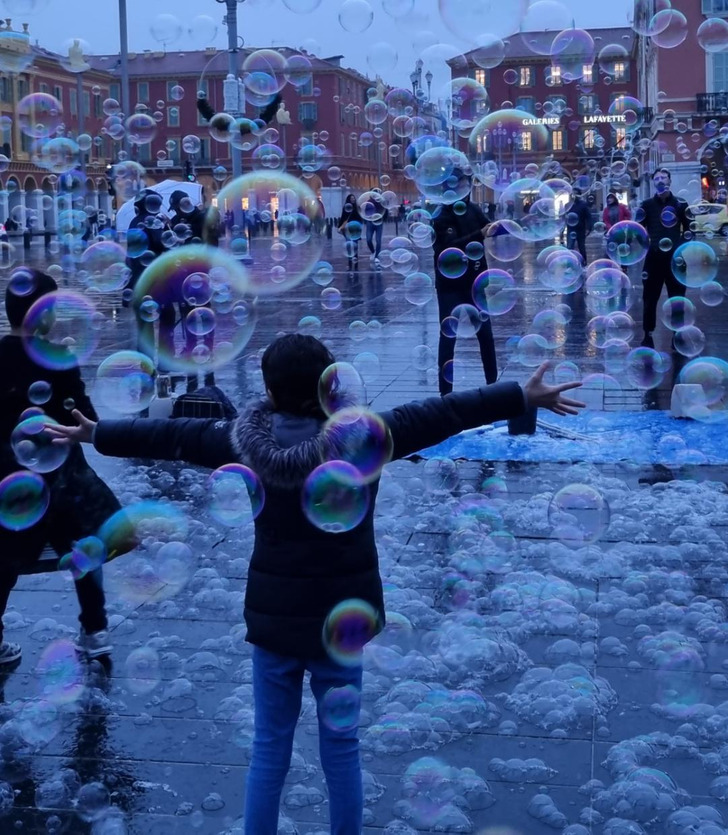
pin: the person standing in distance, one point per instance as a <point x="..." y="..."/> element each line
<point x="665" y="218"/>
<point x="453" y="230"/>
<point x="579" y="223"/>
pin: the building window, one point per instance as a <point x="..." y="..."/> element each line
<point x="307" y="88"/>
<point x="587" y="104"/>
<point x="170" y="85"/>
<point x="115" y="91"/>
<point x="481" y="76"/>
<point x="26" y="143"/>
<point x="145" y="152"/>
<point x="620" y="138"/>
<point x="588" y="74"/>
<point x="525" y="76"/>
<point x="525" y="103"/>
<point x="86" y="103"/>
<point x="554" y="77"/>
<point x="558" y="142"/>
<point x="5" y="89"/>
<point x="589" y="139"/>
<point x="97" y="106"/>
<point x="307" y="111"/>
<point x="58" y="93"/>
<point x="142" y="92"/>
<point x="173" y="117"/>
<point x="73" y="100"/>
<point x="43" y="88"/>
<point x="204" y="154"/>
<point x="23" y="87"/>
<point x="620" y="71"/>
<point x="524" y="141"/>
<point x="715" y="7"/>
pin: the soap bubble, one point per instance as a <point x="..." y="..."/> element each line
<point x="142" y="668"/>
<point x="627" y="243"/>
<point x="573" y="50"/>
<point x="39" y="115"/>
<point x="578" y="514"/>
<point x="105" y="263"/>
<point x="40" y="392"/>
<point x="694" y="264"/>
<point x="166" y="29"/>
<point x="348" y="628"/>
<point x="60" y="674"/>
<point x="668" y="28"/>
<point x="339" y="708"/>
<point x="24" y="499"/>
<point x="713" y="34"/>
<point x="689" y="341"/>
<point x="141" y="128"/>
<point x="503" y="240"/>
<point x="418" y="288"/>
<point x="60" y="330"/>
<point x="532" y="350"/>
<point x="711" y="294"/>
<point x="355" y="16"/>
<point x="495" y="292"/>
<point x="33" y="445"/>
<point x="452" y="263"/>
<point x="335" y="497"/>
<point x="644" y="368"/>
<point x="235" y="495"/>
<point x="359" y="437"/>
<point x="677" y="312"/>
<point x="163" y="284"/>
<point x="129" y="527"/>
<point x="125" y="382"/>
<point x="551" y="325"/>
<point x="341" y="387"/>
<point x="711" y="374"/>
<point x="86" y="555"/>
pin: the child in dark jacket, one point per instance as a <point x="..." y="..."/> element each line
<point x="79" y="501"/>
<point x="313" y="597"/>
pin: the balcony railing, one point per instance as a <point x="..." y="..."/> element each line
<point x="711" y="102"/>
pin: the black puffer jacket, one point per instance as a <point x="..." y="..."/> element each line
<point x="453" y="230"/>
<point x="298" y="573"/>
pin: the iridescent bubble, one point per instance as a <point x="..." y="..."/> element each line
<point x="532" y="350"/>
<point x="163" y="284"/>
<point x="695" y="263"/>
<point x="24" y="499"/>
<point x="355" y="16"/>
<point x="39" y="115"/>
<point x="606" y="283"/>
<point x="191" y="144"/>
<point x="495" y="292"/>
<point x="341" y="387"/>
<point x="368" y="365"/>
<point x="551" y="325"/>
<point x="542" y="21"/>
<point x="418" y="288"/>
<point x="331" y="298"/>
<point x="235" y="495"/>
<point x="358" y="437"/>
<point x="579" y="514"/>
<point x="689" y="341"/>
<point x="711" y="294"/>
<point x="141" y="128"/>
<point x="566" y="372"/>
<point x="87" y="554"/>
<point x="668" y="28"/>
<point x="423" y="358"/>
<point x="452" y="263"/>
<point x="504" y="241"/>
<point x="711" y="374"/>
<point x="339" y="708"/>
<point x="33" y="445"/>
<point x="644" y="368"/>
<point x="348" y="628"/>
<point x="627" y="243"/>
<point x="129" y="527"/>
<point x="713" y="34"/>
<point x="125" y="382"/>
<point x="468" y="103"/>
<point x="58" y="330"/>
<point x="143" y="670"/>
<point x="60" y="673"/>
<point x="677" y="312"/>
<point x="40" y="392"/>
<point x="573" y="50"/>
<point x="335" y="498"/>
<point x="442" y="175"/>
<point x="105" y="263"/>
<point x="60" y="155"/>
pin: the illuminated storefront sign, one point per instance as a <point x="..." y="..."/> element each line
<point x="595" y="119"/>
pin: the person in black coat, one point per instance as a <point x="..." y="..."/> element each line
<point x="579" y="223"/>
<point x="664" y="216"/>
<point x="454" y="230"/>
<point x="300" y="575"/>
<point x="79" y="500"/>
<point x="350" y="226"/>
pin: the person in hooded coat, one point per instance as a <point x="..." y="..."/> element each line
<point x="314" y="595"/>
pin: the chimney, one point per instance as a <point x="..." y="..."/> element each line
<point x="25" y="28"/>
<point x="9" y="23"/>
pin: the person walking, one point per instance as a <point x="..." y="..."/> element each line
<point x="456" y="230"/>
<point x="614" y="212"/>
<point x="579" y="224"/>
<point x="375" y="216"/>
<point x="313" y="596"/>
<point x="350" y="227"/>
<point x="664" y="216"/>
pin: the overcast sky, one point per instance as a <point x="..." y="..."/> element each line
<point x="400" y="31"/>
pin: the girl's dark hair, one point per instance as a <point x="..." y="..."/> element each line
<point x="24" y="289"/>
<point x="292" y="366"/>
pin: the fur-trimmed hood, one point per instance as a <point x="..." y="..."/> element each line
<point x="281" y="450"/>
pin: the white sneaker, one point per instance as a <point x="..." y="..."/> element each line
<point x="93" y="644"/>
<point x="377" y="262"/>
<point x="10" y="652"/>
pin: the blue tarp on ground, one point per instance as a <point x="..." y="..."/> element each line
<point x="650" y="437"/>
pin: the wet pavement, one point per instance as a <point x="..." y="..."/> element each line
<point x="581" y="685"/>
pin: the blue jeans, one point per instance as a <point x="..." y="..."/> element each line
<point x="374" y="229"/>
<point x="277" y="691"/>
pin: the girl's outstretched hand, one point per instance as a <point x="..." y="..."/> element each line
<point x="82" y="433"/>
<point x="540" y="394"/>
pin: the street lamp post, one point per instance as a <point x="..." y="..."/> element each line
<point x="124" y="64"/>
<point x="231" y="20"/>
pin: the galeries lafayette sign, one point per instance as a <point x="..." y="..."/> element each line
<point x="596" y="119"/>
